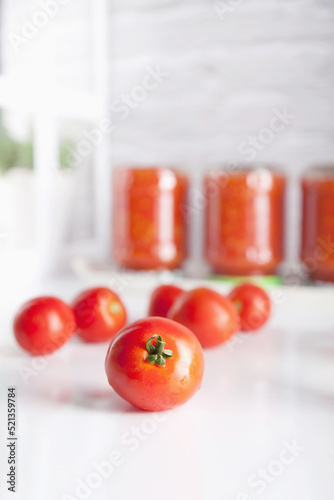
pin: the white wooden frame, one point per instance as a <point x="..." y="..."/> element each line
<point x="46" y="107"/>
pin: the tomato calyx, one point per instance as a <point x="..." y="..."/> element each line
<point x="156" y="353"/>
<point x="238" y="304"/>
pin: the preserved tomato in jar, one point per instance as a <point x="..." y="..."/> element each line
<point x="317" y="250"/>
<point x="244" y="222"/>
<point x="149" y="229"/>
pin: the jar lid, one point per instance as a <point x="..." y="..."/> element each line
<point x="235" y="168"/>
<point x="144" y="177"/>
<point x="320" y="172"/>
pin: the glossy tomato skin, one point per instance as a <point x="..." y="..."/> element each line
<point x="162" y="299"/>
<point x="253" y="304"/>
<point x="99" y="314"/>
<point x="212" y="317"/>
<point x="43" y="325"/>
<point x="149" y="386"/>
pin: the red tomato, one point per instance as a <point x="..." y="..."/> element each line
<point x="162" y="299"/>
<point x="155" y="364"/>
<point x="212" y="317"/>
<point x="99" y="314"/>
<point x="253" y="304"/>
<point x="43" y="325"/>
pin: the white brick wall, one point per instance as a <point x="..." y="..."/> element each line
<point x="225" y="78"/>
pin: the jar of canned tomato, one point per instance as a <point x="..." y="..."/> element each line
<point x="244" y="221"/>
<point x="317" y="252"/>
<point x="149" y="229"/>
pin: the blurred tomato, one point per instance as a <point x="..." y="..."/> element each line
<point x="212" y="317"/>
<point x="162" y="299"/>
<point x="253" y="304"/>
<point x="99" y="314"/>
<point x="43" y="325"/>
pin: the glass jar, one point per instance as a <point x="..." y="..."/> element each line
<point x="317" y="252"/>
<point x="244" y="229"/>
<point x="149" y="230"/>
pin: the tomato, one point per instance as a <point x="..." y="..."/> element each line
<point x="43" y="325"/>
<point x="253" y="304"/>
<point x="155" y="364"/>
<point x="99" y="314"/>
<point x="212" y="317"/>
<point x="162" y="299"/>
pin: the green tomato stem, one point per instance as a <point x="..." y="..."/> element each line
<point x="157" y="354"/>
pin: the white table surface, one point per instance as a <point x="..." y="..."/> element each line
<point x="262" y="393"/>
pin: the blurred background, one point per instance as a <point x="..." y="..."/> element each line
<point x="87" y="85"/>
<point x="90" y="85"/>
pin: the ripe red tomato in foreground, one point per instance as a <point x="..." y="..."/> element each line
<point x="162" y="299"/>
<point x="43" y="325"/>
<point x="99" y="314"/>
<point x="253" y="304"/>
<point x="212" y="317"/>
<point x="155" y="364"/>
